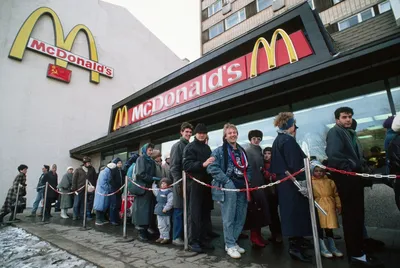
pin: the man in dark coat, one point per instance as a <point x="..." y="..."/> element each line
<point x="293" y="205"/>
<point x="81" y="174"/>
<point x="344" y="152"/>
<point x="258" y="215"/>
<point x="19" y="181"/>
<point x="196" y="158"/>
<point x="116" y="182"/>
<point x="52" y="178"/>
<point x="175" y="175"/>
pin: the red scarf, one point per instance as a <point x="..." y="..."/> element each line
<point x="242" y="169"/>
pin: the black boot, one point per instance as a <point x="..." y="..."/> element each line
<point x="296" y="252"/>
<point x="143" y="236"/>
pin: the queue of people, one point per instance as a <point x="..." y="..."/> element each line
<point x="284" y="207"/>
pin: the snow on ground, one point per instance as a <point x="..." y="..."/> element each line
<point x="23" y="250"/>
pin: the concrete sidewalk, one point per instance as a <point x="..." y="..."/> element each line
<point x="103" y="247"/>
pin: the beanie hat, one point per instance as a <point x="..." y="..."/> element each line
<point x="116" y="160"/>
<point x="200" y="128"/>
<point x="166" y="180"/>
<point x="388" y="122"/>
<point x="255" y="133"/>
<point x="68" y="168"/>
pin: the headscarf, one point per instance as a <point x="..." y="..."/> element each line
<point x="144" y="152"/>
<point x="313" y="165"/>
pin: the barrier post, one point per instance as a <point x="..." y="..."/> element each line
<point x="185" y="220"/>
<point x="312" y="213"/>
<point x="126" y="204"/>
<point x="16" y="204"/>
<point x="45" y="201"/>
<point x="85" y="205"/>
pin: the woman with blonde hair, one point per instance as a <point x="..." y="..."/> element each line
<point x="293" y="205"/>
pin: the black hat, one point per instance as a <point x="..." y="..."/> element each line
<point x="46" y="167"/>
<point x="295" y="126"/>
<point x="200" y="128"/>
<point x="255" y="133"/>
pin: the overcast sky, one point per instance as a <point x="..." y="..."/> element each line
<point x="175" y="22"/>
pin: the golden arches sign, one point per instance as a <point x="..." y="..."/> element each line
<point x="121" y="118"/>
<point x="20" y="43"/>
<point x="270" y="51"/>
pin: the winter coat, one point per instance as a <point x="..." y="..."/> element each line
<point x="176" y="167"/>
<point x="327" y="197"/>
<point x="194" y="155"/>
<point x="165" y="170"/>
<point x="341" y="152"/>
<point x="52" y="179"/>
<point x="143" y="207"/>
<point x="394" y="155"/>
<point x="117" y="179"/>
<point x="165" y="199"/>
<point x="20" y="179"/>
<point x="40" y="185"/>
<point x="293" y="206"/>
<point x="65" y="187"/>
<point x="258" y="209"/>
<point x="101" y="202"/>
<point x="80" y="176"/>
<point x="222" y="169"/>
<point x="159" y="172"/>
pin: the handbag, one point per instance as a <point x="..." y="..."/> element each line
<point x="134" y="189"/>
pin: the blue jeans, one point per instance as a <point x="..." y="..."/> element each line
<point x="178" y="223"/>
<point x="79" y="205"/>
<point x="39" y="198"/>
<point x="233" y="210"/>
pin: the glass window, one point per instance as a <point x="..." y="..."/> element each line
<point x="215" y="30"/>
<point x="336" y="1"/>
<point x="214" y="8"/>
<point x="353" y="20"/>
<point x="385" y="6"/>
<point x="235" y="19"/>
<point x="263" y="4"/>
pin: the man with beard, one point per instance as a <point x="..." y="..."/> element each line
<point x="196" y="158"/>
<point x="175" y="175"/>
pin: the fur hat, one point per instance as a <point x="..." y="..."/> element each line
<point x="255" y="133"/>
<point x="200" y="128"/>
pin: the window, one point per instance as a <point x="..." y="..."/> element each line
<point x="215" y="30"/>
<point x="263" y="4"/>
<point x="336" y="1"/>
<point x="234" y="19"/>
<point x="214" y="8"/>
<point x="385" y="6"/>
<point x="360" y="17"/>
<point x="311" y="3"/>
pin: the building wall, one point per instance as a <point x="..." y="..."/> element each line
<point x="331" y="15"/>
<point x="42" y="119"/>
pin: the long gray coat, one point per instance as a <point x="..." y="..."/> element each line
<point x="143" y="206"/>
<point x="65" y="186"/>
<point x="258" y="209"/>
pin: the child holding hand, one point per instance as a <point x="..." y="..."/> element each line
<point x="163" y="209"/>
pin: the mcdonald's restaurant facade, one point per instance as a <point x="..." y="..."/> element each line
<point x="290" y="63"/>
<point x="63" y="65"/>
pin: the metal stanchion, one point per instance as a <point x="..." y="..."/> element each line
<point x="185" y="223"/>
<point x="85" y="205"/>
<point x="16" y="204"/>
<point x="45" y="201"/>
<point x="126" y="204"/>
<point x="312" y="212"/>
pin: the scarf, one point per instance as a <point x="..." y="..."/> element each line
<point x="144" y="152"/>
<point x="242" y="168"/>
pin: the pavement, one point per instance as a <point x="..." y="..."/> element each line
<point x="104" y="246"/>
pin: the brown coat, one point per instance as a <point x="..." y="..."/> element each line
<point x="326" y="195"/>
<point x="80" y="176"/>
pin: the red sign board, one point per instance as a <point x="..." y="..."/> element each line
<point x="59" y="73"/>
<point x="224" y="76"/>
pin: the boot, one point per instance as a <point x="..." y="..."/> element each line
<point x="324" y="251"/>
<point x="143" y="235"/>
<point x="332" y="248"/>
<point x="264" y="241"/>
<point x="255" y="239"/>
<point x="64" y="213"/>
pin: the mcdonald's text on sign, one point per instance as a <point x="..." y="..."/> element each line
<point x="61" y="50"/>
<point x="59" y="73"/>
<point x="289" y="49"/>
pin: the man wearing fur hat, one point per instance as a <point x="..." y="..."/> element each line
<point x="196" y="158"/>
<point x="81" y="174"/>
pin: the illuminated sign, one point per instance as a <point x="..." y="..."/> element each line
<point x="288" y="49"/>
<point x="61" y="50"/>
<point x="121" y="118"/>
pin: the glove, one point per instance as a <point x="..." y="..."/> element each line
<point x="156" y="179"/>
<point x="303" y="188"/>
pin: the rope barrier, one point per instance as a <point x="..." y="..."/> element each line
<point x="365" y="175"/>
<point x="111" y="193"/>
<point x="55" y="190"/>
<point x="151" y="189"/>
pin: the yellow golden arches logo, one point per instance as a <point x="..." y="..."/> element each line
<point x="121" y="118"/>
<point x="270" y="51"/>
<point x="20" y="43"/>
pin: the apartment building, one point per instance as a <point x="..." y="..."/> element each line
<point x="225" y="20"/>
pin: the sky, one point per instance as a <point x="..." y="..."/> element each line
<point x="175" y="22"/>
